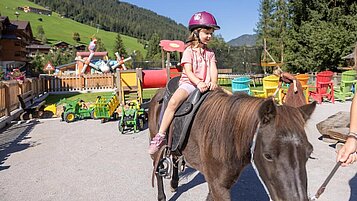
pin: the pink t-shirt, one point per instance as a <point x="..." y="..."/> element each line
<point x="200" y="64"/>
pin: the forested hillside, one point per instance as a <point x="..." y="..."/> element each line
<point x="117" y="17"/>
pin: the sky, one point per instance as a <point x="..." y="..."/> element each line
<point x="235" y="17"/>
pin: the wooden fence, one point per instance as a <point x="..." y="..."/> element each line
<point x="78" y="83"/>
<point x="52" y="84"/>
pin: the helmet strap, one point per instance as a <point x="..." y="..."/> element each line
<point x="196" y="33"/>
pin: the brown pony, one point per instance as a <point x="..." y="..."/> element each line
<point x="225" y="133"/>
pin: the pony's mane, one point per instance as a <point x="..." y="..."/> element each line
<point x="231" y="122"/>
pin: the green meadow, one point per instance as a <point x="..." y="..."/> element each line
<point x="61" y="29"/>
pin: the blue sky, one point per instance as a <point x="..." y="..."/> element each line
<point x="235" y="17"/>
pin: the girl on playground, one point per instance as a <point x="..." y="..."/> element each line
<point x="199" y="70"/>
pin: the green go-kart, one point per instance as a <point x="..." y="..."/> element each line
<point x="75" y="110"/>
<point x="132" y="118"/>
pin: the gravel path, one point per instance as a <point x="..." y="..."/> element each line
<point x="51" y="160"/>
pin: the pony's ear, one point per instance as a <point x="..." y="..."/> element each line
<point x="267" y="111"/>
<point x="307" y="110"/>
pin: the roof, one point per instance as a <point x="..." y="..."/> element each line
<point x="350" y="56"/>
<point x="66" y="65"/>
<point x="20" y="24"/>
<point x="61" y="42"/>
<point x="86" y="54"/>
<point x="34" y="46"/>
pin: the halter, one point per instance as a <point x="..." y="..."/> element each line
<point x="252" y="148"/>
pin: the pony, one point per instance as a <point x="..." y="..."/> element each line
<point x="230" y="131"/>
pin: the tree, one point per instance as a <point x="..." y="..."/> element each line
<point x="100" y="45"/>
<point x="76" y="37"/>
<point x="41" y="34"/>
<point x="119" y="46"/>
<point x="320" y="33"/>
<point x="154" y="50"/>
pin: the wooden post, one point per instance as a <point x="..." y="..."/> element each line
<point x="139" y="74"/>
<point x="162" y="58"/>
<point x="7" y="99"/>
<point x="118" y="83"/>
<point x="168" y="67"/>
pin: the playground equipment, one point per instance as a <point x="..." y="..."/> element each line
<point x="133" y="117"/>
<point x="75" y="109"/>
<point x="105" y="108"/>
<point x="105" y="66"/>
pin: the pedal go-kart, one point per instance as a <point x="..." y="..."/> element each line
<point x="133" y="117"/>
<point x="75" y="110"/>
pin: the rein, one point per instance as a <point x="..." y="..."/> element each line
<point x="252" y="148"/>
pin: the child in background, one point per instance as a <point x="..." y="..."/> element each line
<point x="199" y="70"/>
<point x="91" y="47"/>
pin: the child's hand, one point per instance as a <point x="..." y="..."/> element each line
<point x="212" y="86"/>
<point x="202" y="86"/>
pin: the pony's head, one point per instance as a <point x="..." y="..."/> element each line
<point x="282" y="149"/>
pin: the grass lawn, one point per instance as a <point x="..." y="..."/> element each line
<point x="58" y="29"/>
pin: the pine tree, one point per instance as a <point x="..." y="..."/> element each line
<point x="154" y="50"/>
<point x="119" y="46"/>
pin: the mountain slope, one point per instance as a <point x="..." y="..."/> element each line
<point x="118" y="16"/>
<point x="61" y="29"/>
<point x="244" y="40"/>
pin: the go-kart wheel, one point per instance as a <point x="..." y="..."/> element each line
<point x="92" y="115"/>
<point x="121" y="128"/>
<point x="140" y="124"/>
<point x="69" y="117"/>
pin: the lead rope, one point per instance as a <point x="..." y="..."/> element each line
<point x="252" y="148"/>
<point x="327" y="180"/>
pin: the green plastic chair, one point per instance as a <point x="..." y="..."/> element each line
<point x="345" y="89"/>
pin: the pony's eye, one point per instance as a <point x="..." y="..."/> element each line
<point x="268" y="157"/>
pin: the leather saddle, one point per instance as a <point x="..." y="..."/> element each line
<point x="184" y="115"/>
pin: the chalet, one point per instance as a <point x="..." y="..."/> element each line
<point x="61" y="45"/>
<point x="37" y="48"/>
<point x="14" y="37"/>
<point x="80" y="48"/>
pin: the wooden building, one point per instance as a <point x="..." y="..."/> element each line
<point x="14" y="37"/>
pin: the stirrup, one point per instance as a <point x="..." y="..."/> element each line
<point x="164" y="168"/>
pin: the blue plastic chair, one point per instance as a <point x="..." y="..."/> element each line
<point x="241" y="84"/>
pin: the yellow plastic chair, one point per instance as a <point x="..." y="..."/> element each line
<point x="303" y="79"/>
<point x="270" y="84"/>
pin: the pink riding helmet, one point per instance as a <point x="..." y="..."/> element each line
<point x="201" y="20"/>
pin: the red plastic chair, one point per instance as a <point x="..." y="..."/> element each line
<point x="323" y="87"/>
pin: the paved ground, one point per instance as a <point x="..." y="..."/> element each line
<point x="87" y="160"/>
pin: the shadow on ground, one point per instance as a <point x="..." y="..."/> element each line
<point x="248" y="186"/>
<point x="11" y="140"/>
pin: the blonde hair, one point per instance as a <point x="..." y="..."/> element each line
<point x="193" y="38"/>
